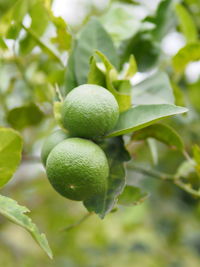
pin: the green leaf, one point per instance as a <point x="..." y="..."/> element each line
<point x="70" y="75"/>
<point x="145" y="45"/>
<point x="15" y="14"/>
<point x="10" y="153"/>
<point x="5" y="5"/>
<point x="162" y="133"/>
<point x="144" y="48"/>
<point x="120" y="23"/>
<point x="156" y="89"/>
<point x="164" y="19"/>
<point x="123" y="86"/>
<point x="132" y="195"/>
<point x="24" y="116"/>
<point x="96" y="76"/>
<point x="110" y="70"/>
<point x="187" y="25"/>
<point x="15" y="213"/>
<point x="92" y="37"/>
<point x="43" y="46"/>
<point x="3" y="45"/>
<point x="153" y="150"/>
<point x="123" y="99"/>
<point x="194" y="95"/>
<point x="132" y="68"/>
<point x="116" y="155"/>
<point x="196" y="154"/>
<point x="178" y="94"/>
<point x="190" y="52"/>
<point x="13" y="31"/>
<point x="39" y="22"/>
<point x="142" y="116"/>
<point x="19" y="10"/>
<point x="185" y="169"/>
<point x="63" y="38"/>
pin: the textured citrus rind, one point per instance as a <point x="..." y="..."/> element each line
<point x="78" y="169"/>
<point x="90" y="111"/>
<point x="51" y="141"/>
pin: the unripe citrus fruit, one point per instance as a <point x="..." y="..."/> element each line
<point x="51" y="141"/>
<point x="89" y="111"/>
<point x="78" y="169"/>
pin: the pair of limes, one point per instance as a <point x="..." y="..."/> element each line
<point x="77" y="167"/>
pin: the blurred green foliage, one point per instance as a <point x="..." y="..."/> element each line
<point x="34" y="48"/>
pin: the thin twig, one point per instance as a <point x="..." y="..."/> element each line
<point x="85" y="217"/>
<point x="167" y="177"/>
<point x="152" y="173"/>
<point x="187" y="188"/>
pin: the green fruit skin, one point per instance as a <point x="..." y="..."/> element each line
<point x="78" y="169"/>
<point x="89" y="111"/>
<point x="51" y="141"/>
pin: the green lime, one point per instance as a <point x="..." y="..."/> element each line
<point x="51" y="141"/>
<point x="89" y="111"/>
<point x="78" y="169"/>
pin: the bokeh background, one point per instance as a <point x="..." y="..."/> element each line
<point x="162" y="231"/>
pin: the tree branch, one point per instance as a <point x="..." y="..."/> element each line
<point x="167" y="177"/>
